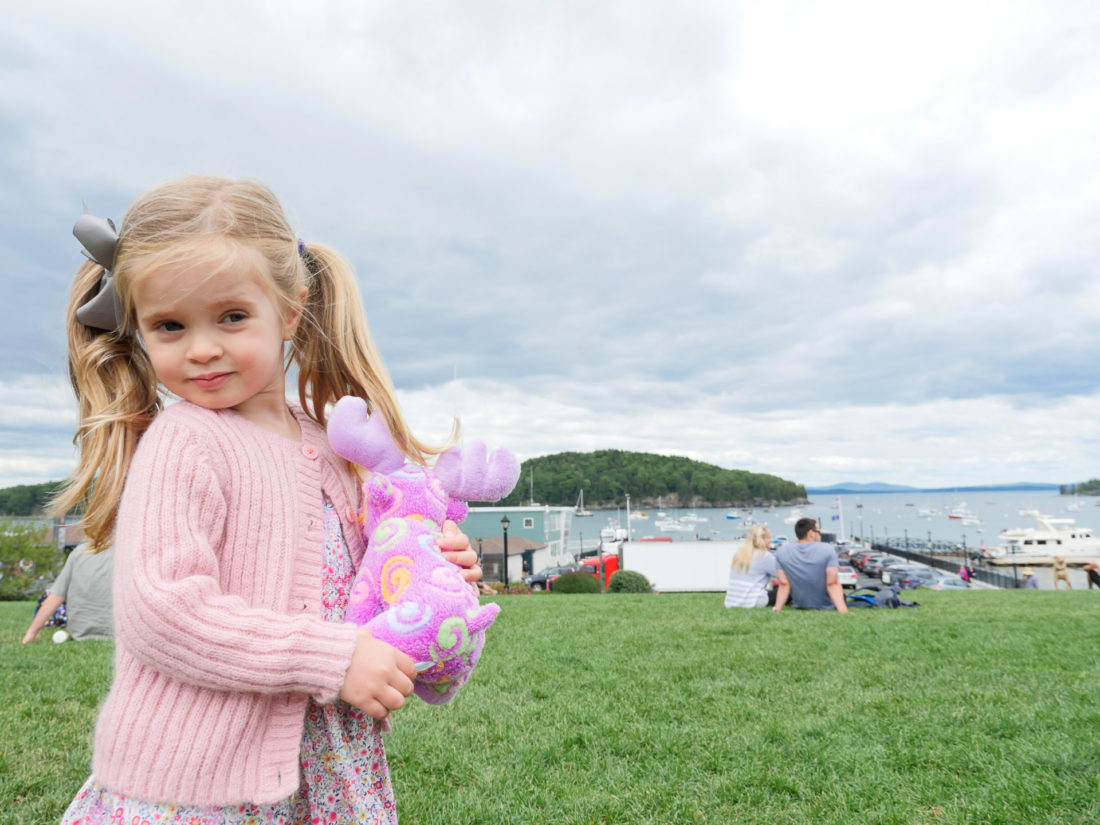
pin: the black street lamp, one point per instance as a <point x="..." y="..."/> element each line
<point x="504" y="522"/>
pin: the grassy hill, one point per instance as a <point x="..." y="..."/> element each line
<point x="976" y="707"/>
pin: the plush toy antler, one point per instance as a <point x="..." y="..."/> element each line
<point x="405" y="593"/>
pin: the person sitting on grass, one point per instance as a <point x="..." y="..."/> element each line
<point x="1093" y="571"/>
<point x="752" y="571"/>
<point x="809" y="572"/>
<point x="84" y="587"/>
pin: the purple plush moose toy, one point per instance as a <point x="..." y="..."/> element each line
<point x="405" y="593"/>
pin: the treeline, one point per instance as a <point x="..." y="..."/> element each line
<point x="27" y="499"/>
<point x="1089" y="488"/>
<point x="606" y="476"/>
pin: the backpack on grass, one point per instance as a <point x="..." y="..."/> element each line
<point x="872" y="595"/>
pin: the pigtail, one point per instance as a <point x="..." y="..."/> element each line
<point x="116" y="392"/>
<point x="335" y="353"/>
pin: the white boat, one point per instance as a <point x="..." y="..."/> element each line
<point x="612" y="532"/>
<point x="693" y="518"/>
<point x="579" y="509"/>
<point x="639" y="515"/>
<point x="795" y="515"/>
<point x="1039" y="545"/>
<point x="959" y="511"/>
<point x="927" y="512"/>
<point x="671" y="525"/>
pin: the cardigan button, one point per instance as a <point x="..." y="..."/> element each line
<point x="309" y="451"/>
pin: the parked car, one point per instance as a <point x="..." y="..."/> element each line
<point x="873" y="566"/>
<point x="889" y="563"/>
<point x="908" y="579"/>
<point x="542" y="579"/>
<point x="860" y="558"/>
<point x="901" y="573"/>
<point x="947" y="581"/>
<point x="847" y="575"/>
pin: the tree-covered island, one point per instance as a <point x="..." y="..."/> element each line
<point x="1089" y="488"/>
<point x="607" y="476"/>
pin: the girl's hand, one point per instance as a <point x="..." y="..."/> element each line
<point x="456" y="549"/>
<point x="379" y="677"/>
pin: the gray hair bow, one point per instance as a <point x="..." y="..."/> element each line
<point x="99" y="238"/>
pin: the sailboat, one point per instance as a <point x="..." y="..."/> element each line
<point x="579" y="509"/>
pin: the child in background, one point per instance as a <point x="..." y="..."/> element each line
<point x="233" y="522"/>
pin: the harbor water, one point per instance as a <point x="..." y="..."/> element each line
<point x="919" y="519"/>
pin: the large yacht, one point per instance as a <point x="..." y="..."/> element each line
<point x="1039" y="545"/>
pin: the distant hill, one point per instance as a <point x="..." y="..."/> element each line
<point x="607" y="476"/>
<point x="856" y="487"/>
<point x="27" y="499"/>
<point x="853" y="488"/>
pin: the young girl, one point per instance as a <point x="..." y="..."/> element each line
<point x="752" y="570"/>
<point x="233" y="522"/>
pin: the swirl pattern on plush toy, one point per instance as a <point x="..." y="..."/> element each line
<point x="397" y="575"/>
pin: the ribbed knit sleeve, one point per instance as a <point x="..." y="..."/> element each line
<point x="218" y="560"/>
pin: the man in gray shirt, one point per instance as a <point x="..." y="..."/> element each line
<point x="84" y="583"/>
<point x="808" y="572"/>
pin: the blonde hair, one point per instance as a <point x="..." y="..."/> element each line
<point x="756" y="544"/>
<point x="115" y="385"/>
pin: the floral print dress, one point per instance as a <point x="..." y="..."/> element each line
<point x="345" y="778"/>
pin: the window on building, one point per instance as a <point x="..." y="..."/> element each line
<point x="529" y="524"/>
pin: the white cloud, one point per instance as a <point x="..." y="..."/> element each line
<point x="986" y="440"/>
<point x="806" y="238"/>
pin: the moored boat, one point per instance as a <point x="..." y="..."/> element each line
<point x="579" y="510"/>
<point x="1039" y="545"/>
<point x="671" y="525"/>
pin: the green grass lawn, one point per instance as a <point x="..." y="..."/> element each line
<point x="977" y="707"/>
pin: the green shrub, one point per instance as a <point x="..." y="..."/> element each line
<point x="629" y="581"/>
<point x="577" y="582"/>
<point x="515" y="588"/>
<point x="27" y="565"/>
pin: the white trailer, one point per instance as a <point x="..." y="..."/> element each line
<point x="682" y="566"/>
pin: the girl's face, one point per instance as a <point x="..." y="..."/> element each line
<point x="214" y="333"/>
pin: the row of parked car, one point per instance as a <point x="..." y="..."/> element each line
<point x="897" y="572"/>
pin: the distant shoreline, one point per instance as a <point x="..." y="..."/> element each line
<point x="876" y="489"/>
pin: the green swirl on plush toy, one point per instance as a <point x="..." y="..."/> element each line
<point x="387" y="534"/>
<point x="454" y="637"/>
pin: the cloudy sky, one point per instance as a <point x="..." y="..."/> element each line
<point x="836" y="241"/>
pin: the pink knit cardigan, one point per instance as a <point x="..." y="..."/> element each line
<point x="219" y="640"/>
